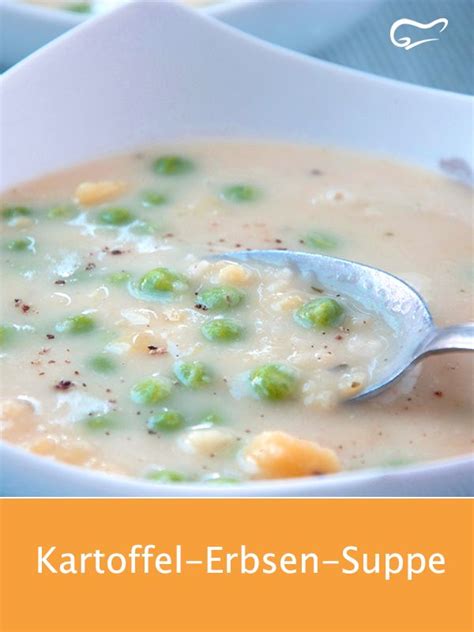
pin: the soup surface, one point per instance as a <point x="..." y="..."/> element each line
<point x="126" y="347"/>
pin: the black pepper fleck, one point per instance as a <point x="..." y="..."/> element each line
<point x="63" y="385"/>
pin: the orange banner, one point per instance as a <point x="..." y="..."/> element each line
<point x="216" y="565"/>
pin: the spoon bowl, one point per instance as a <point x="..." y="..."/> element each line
<point x="383" y="294"/>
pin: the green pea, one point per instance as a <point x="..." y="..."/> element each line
<point x="153" y="198"/>
<point x="22" y="245"/>
<point x="14" y="212"/>
<point x="165" y="421"/>
<point x="273" y="382"/>
<point x="99" y="422"/>
<point x="81" y="324"/>
<point x="220" y="298"/>
<point x="6" y="334"/>
<point x="222" y="330"/>
<point x="119" y="278"/>
<point x="115" y="217"/>
<point x="78" y="7"/>
<point x="102" y="364"/>
<point x="240" y="193"/>
<point x="192" y="374"/>
<point x="319" y="313"/>
<point x="162" y="283"/>
<point x="172" y="166"/>
<point x="165" y="476"/>
<point x="321" y="241"/>
<point x="62" y="212"/>
<point x="151" y="390"/>
<point x="211" y="419"/>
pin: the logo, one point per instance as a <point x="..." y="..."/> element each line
<point x="406" y="42"/>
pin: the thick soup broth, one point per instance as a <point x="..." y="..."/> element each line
<point x="126" y="348"/>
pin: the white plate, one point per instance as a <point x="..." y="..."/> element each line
<point x="302" y="25"/>
<point x="149" y="73"/>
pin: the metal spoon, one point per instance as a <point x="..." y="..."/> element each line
<point x="382" y="293"/>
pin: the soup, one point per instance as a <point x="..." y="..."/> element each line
<point x="128" y="345"/>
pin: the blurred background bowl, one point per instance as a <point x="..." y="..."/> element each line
<point x="302" y="25"/>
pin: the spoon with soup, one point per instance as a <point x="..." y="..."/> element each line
<point x="381" y="293"/>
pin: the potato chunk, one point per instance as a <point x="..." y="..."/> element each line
<point x="208" y="441"/>
<point x="288" y="303"/>
<point x="13" y="409"/>
<point x="280" y="455"/>
<point x="147" y="342"/>
<point x="72" y="452"/>
<point x="16" y="418"/>
<point x="91" y="193"/>
<point x="234" y="274"/>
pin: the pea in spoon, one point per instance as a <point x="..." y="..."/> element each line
<point x="382" y="293"/>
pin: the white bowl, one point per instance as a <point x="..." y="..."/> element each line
<point x="149" y="73"/>
<point x="303" y="25"/>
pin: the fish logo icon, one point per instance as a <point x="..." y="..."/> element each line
<point x="406" y="42"/>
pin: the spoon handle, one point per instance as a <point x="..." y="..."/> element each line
<point x="454" y="338"/>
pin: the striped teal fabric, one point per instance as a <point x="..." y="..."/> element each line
<point x="447" y="64"/>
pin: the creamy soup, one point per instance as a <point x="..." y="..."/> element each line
<point x="129" y="346"/>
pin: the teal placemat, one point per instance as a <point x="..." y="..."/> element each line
<point x="447" y="63"/>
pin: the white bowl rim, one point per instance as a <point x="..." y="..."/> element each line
<point x="304" y="486"/>
<point x="236" y="33"/>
